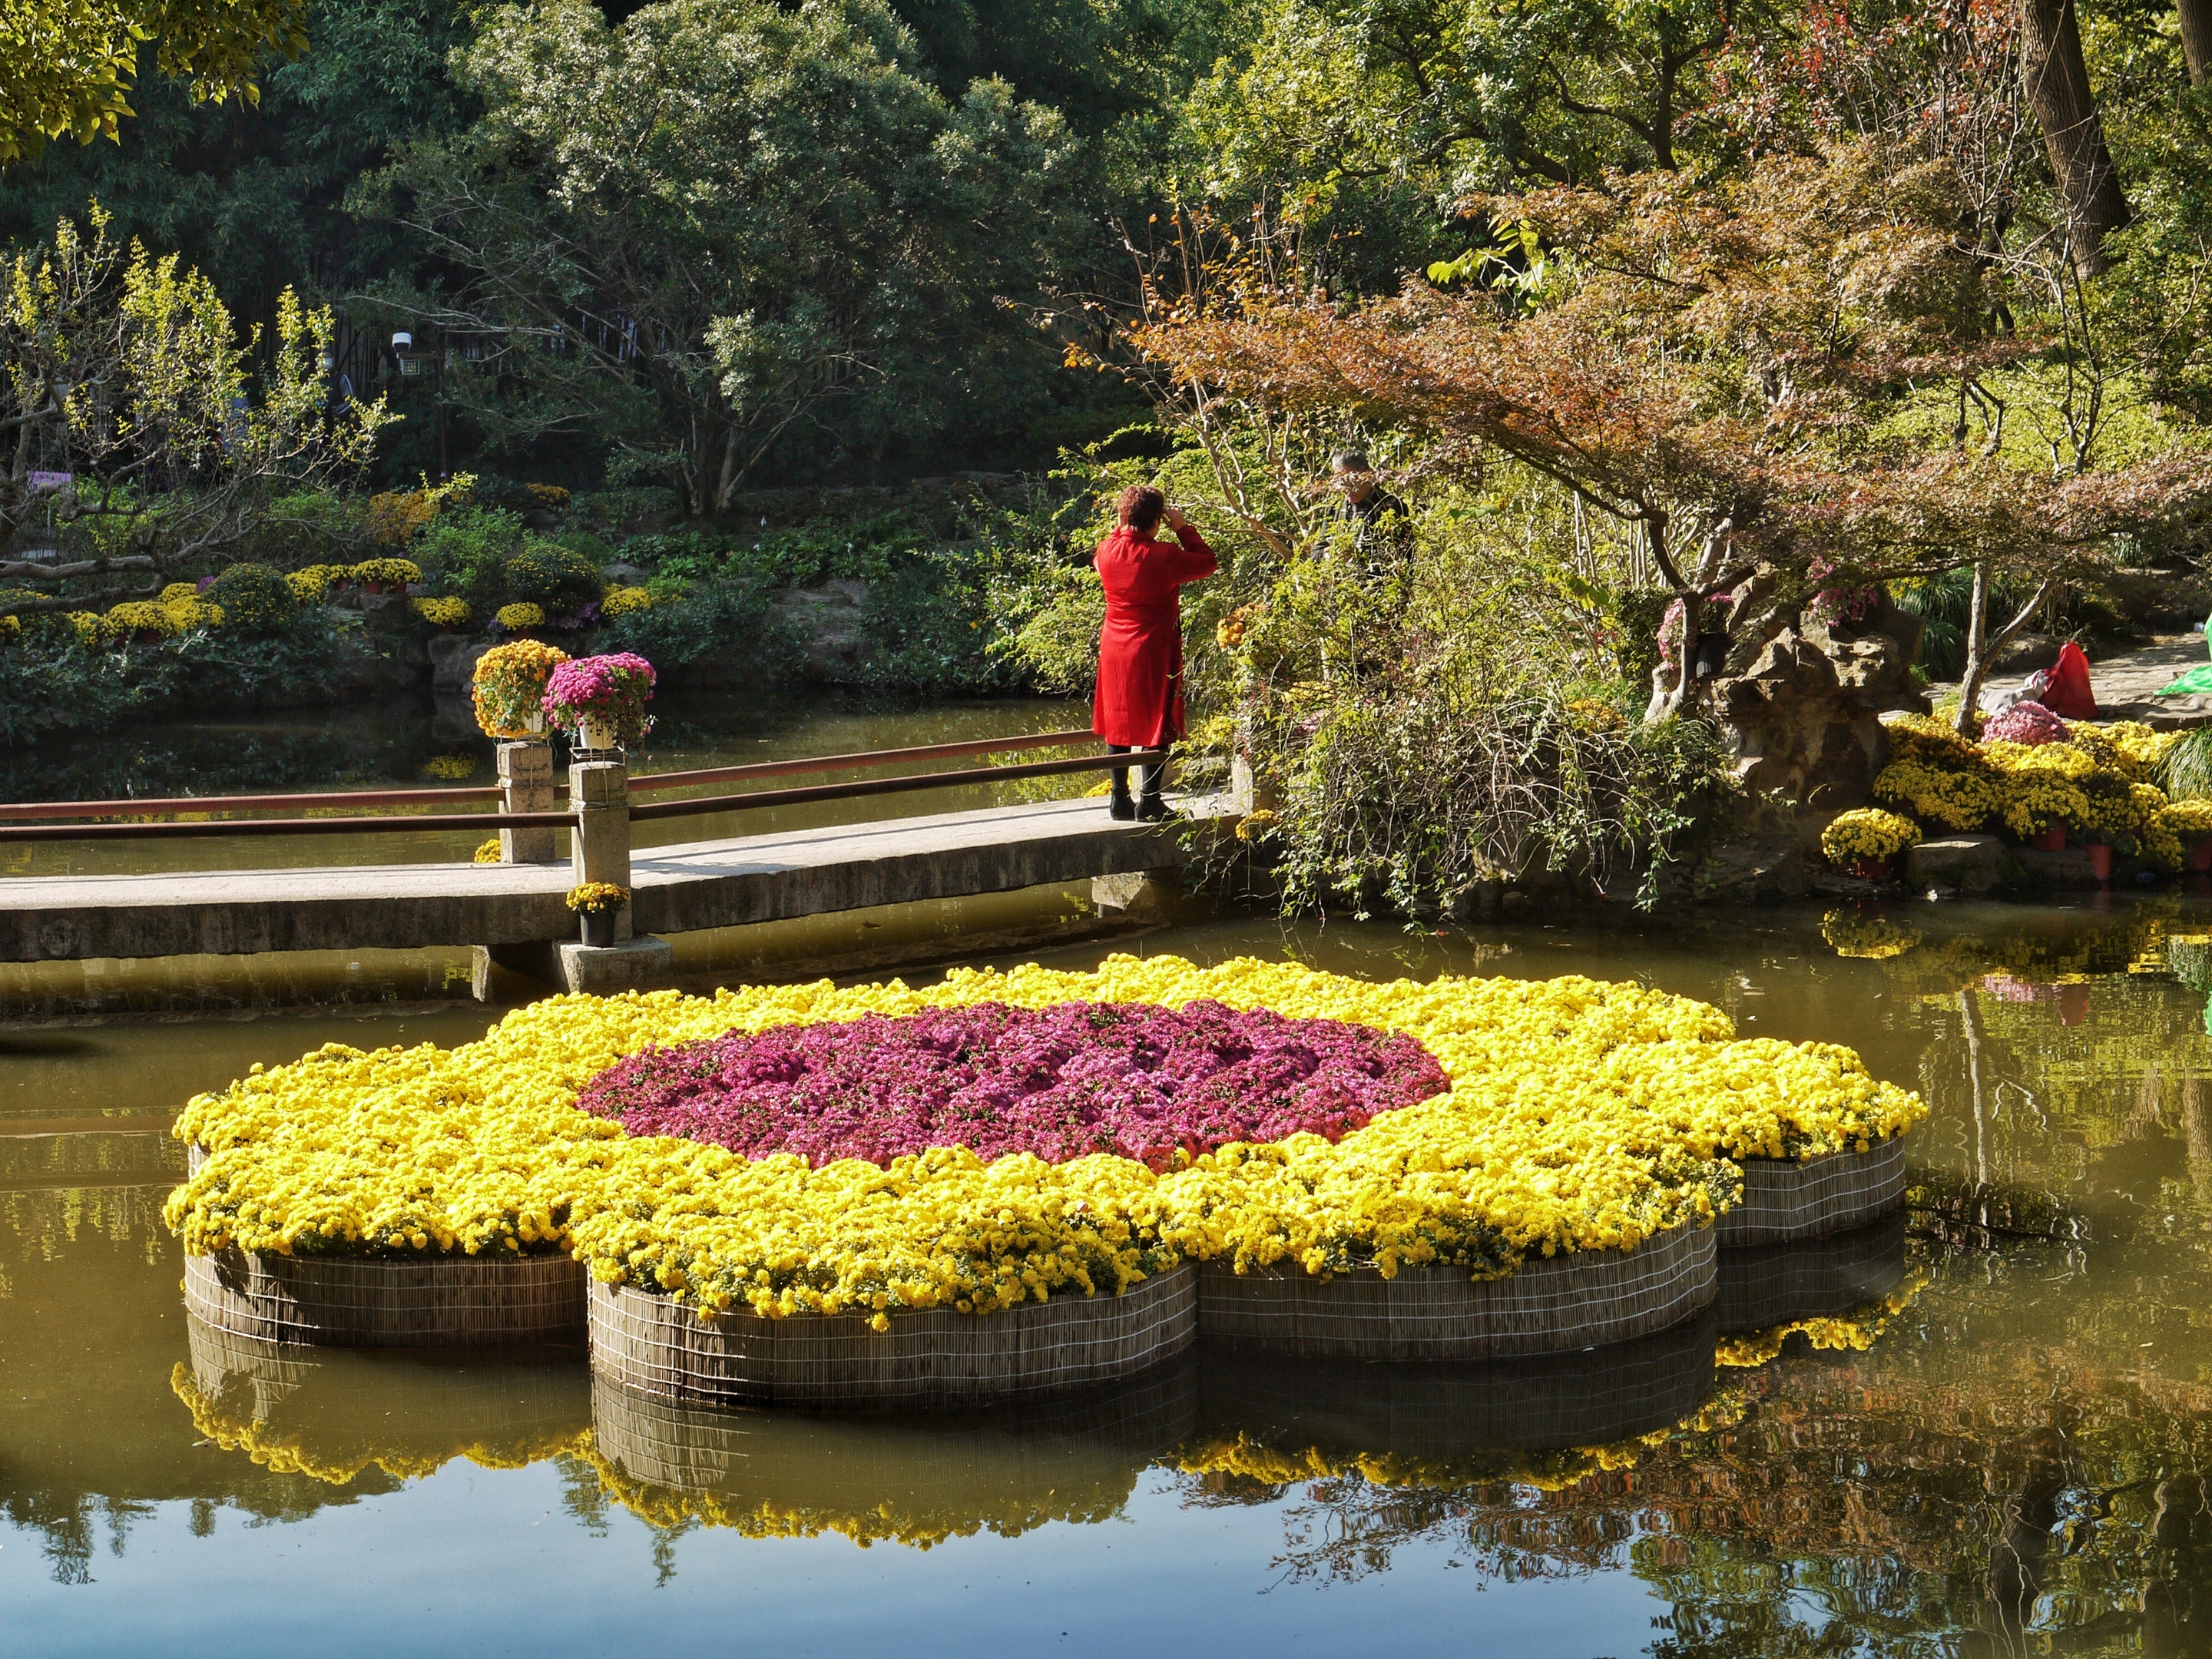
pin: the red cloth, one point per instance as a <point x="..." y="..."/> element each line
<point x="2068" y="695"/>
<point x="1139" y="699"/>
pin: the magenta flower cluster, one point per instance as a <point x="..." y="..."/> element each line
<point x="2026" y="722"/>
<point x="1152" y="1084"/>
<point x="614" y="689"/>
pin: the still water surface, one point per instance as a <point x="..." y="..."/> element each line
<point x="1984" y="1430"/>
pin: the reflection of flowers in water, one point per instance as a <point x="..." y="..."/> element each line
<point x="1851" y="933"/>
<point x="450" y="766"/>
<point x="1854" y="1332"/>
<point x="337" y="1459"/>
<point x="2069" y="998"/>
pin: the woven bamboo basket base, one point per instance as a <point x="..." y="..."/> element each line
<point x="1772" y="1285"/>
<point x="346" y="1302"/>
<point x="1053" y="1459"/>
<point x="1539" y="1403"/>
<point x="1548" y="1305"/>
<point x="660" y="1348"/>
<point x="1834" y="1193"/>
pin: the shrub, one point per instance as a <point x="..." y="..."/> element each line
<point x="716" y="618"/>
<point x="561" y="580"/>
<point x="516" y="617"/>
<point x="255" y="599"/>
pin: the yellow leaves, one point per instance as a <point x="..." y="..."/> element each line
<point x="1582" y="1116"/>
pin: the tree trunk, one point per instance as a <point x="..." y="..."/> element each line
<point x="2058" y="90"/>
<point x="1981" y="651"/>
<point x="2196" y="37"/>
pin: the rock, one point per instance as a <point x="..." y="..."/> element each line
<point x="385" y="613"/>
<point x="453" y="660"/>
<point x="829" y="621"/>
<point x="1970" y="864"/>
<point x="1804" y="713"/>
<point x="623" y="574"/>
<point x="1752" y="871"/>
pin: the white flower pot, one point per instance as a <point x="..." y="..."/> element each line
<point x="595" y="735"/>
<point x="534" y="722"/>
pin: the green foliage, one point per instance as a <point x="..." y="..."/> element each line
<point x="255" y="599"/>
<point x="49" y="684"/>
<point x="717" y="619"/>
<point x="464" y="550"/>
<point x="65" y="64"/>
<point x="558" y="578"/>
<point x="2189" y="766"/>
<point x="841" y="236"/>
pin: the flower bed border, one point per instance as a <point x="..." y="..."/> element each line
<point x="660" y="1348"/>
<point x="1785" y="1199"/>
<point x="348" y="1302"/>
<point x="1581" y="1299"/>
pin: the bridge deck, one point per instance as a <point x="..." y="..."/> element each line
<point x="678" y="889"/>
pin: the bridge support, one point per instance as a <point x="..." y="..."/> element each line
<point x="1145" y="896"/>
<point x="525" y="779"/>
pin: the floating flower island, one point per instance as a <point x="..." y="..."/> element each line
<point x="1010" y="1183"/>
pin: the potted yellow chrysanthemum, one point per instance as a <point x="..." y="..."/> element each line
<point x="596" y="904"/>
<point x="1864" y="841"/>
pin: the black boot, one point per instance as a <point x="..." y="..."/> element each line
<point x="1152" y="809"/>
<point x="1120" y="806"/>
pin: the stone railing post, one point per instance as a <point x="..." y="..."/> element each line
<point x="526" y="780"/>
<point x="599" y="791"/>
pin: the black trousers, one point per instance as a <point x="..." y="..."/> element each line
<point x="1151" y="779"/>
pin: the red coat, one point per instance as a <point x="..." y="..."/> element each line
<point x="1139" y="697"/>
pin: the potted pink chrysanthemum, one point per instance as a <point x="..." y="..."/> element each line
<point x="600" y="701"/>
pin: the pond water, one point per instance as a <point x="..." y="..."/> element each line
<point x="420" y="742"/>
<point x="1985" y="1429"/>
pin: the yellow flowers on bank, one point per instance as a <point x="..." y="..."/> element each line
<point x="1868" y="834"/>
<point x="1582" y="1116"/>
<point x="441" y="613"/>
<point x="2101" y="782"/>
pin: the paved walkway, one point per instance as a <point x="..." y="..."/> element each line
<point x="2126" y="684"/>
<point x="678" y="889"/>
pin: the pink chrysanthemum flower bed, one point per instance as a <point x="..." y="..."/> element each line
<point x="2026" y="722"/>
<point x="1152" y="1084"/>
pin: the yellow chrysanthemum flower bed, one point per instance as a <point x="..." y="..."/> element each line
<point x="1582" y="1116"/>
<point x="2101" y="781"/>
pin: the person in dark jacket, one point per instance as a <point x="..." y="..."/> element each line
<point x="1139" y="699"/>
<point x="1383" y="533"/>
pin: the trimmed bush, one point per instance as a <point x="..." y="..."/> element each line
<point x="561" y="580"/>
<point x="255" y="599"/>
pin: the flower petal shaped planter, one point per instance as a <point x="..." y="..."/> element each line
<point x="664" y="1350"/>
<point x="1787" y="1199"/>
<point x="1555" y="1304"/>
<point x="878" y="1194"/>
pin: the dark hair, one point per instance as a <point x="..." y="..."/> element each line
<point x="1349" y="461"/>
<point x="1142" y="507"/>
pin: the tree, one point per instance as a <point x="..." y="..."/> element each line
<point x="2065" y="107"/>
<point x="65" y="64"/>
<point x="1755" y="376"/>
<point x="251" y="195"/>
<point x="722" y="223"/>
<point x="123" y="380"/>
<point x="1492" y="93"/>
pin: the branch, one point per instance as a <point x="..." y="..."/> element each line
<point x="29" y="570"/>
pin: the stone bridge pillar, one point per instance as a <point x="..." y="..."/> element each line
<point x="526" y="780"/>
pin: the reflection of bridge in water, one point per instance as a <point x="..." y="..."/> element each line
<point x="514" y="911"/>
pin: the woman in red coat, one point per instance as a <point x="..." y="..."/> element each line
<point x="1139" y="701"/>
